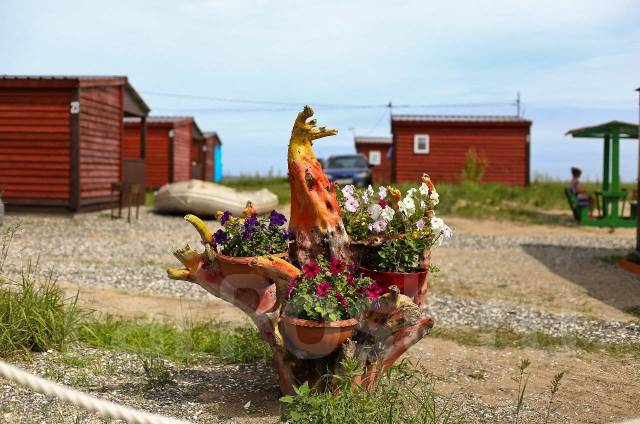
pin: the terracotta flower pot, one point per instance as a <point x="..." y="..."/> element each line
<point x="312" y="339"/>
<point x="629" y="266"/>
<point x="241" y="281"/>
<point x="408" y="282"/>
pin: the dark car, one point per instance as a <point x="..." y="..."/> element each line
<point x="348" y="169"/>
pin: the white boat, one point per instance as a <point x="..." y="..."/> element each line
<point x="205" y="199"/>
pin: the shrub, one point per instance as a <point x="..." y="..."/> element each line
<point x="474" y="166"/>
<point x="34" y="316"/>
<point x="402" y="395"/>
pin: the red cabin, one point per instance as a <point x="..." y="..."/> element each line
<point x="439" y="145"/>
<point x="171" y="142"/>
<point x="377" y="150"/>
<point x="61" y="140"/>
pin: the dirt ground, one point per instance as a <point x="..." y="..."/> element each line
<point x="518" y="264"/>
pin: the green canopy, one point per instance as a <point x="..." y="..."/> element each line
<point x="624" y="130"/>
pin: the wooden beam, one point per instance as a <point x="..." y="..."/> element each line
<point x="74" y="122"/>
<point x="143" y="137"/>
<point x="171" y="150"/>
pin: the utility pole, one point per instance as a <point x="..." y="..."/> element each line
<point x="518" y="105"/>
<point x="638" y="181"/>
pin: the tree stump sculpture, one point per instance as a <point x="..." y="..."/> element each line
<point x="258" y="285"/>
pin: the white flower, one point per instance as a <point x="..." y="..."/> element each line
<point x="437" y="224"/>
<point x="423" y="205"/>
<point x="378" y="226"/>
<point x="370" y="190"/>
<point x="420" y="224"/>
<point x="365" y="196"/>
<point x="411" y="191"/>
<point x="447" y="232"/>
<point x="351" y="204"/>
<point x="435" y="198"/>
<point x="382" y="191"/>
<point x="347" y="191"/>
<point x="424" y="189"/>
<point x="375" y="211"/>
<point x="387" y="213"/>
<point x="407" y="206"/>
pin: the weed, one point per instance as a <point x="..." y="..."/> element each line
<point x="75" y="361"/>
<point x="474" y="166"/>
<point x="478" y="375"/>
<point x="156" y="370"/>
<point x="403" y="394"/>
<point x="522" y="379"/>
<point x="633" y="310"/>
<point x="553" y="389"/>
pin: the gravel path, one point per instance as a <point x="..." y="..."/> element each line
<point x="94" y="250"/>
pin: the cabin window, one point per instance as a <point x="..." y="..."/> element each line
<point x="421" y="144"/>
<point x="375" y="157"/>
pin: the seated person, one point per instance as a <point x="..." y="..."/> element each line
<point x="584" y="199"/>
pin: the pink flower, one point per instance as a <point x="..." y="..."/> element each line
<point x="378" y="226"/>
<point x="373" y="291"/>
<point x="323" y="289"/>
<point x="351" y="204"/>
<point x="292" y="285"/>
<point x="336" y="266"/>
<point x="420" y="224"/>
<point x="343" y="301"/>
<point x="382" y="203"/>
<point x="311" y="270"/>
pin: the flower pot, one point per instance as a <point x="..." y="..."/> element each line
<point x="242" y="281"/>
<point x="629" y="266"/>
<point x="311" y="339"/>
<point x="408" y="282"/>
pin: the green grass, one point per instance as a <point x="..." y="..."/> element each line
<point x="502" y="337"/>
<point x="278" y="185"/>
<point x="167" y="341"/>
<point x="469" y="199"/>
<point x="403" y="394"/>
<point x="35" y="316"/>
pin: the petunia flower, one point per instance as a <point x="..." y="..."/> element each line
<point x="424" y="189"/>
<point x="225" y="217"/>
<point x="347" y="191"/>
<point x="249" y="226"/>
<point x="323" y="289"/>
<point x="382" y="192"/>
<point x="311" y="270"/>
<point x="336" y="266"/>
<point x="435" y="198"/>
<point x="220" y="237"/>
<point x="387" y="213"/>
<point x="291" y="286"/>
<point x="351" y="204"/>
<point x="375" y="211"/>
<point x="378" y="226"/>
<point x="342" y="300"/>
<point x="420" y="224"/>
<point x="277" y="219"/>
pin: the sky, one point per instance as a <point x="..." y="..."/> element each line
<point x="575" y="63"/>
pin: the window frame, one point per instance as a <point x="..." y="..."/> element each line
<point x="379" y="156"/>
<point x="416" y="149"/>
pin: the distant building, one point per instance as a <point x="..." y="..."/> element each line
<point x="377" y="150"/>
<point x="174" y="148"/>
<point x="438" y="145"/>
<point x="61" y="140"/>
<point x="213" y="156"/>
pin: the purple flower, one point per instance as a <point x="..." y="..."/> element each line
<point x="277" y="219"/>
<point x="220" y="237"/>
<point x="225" y="217"/>
<point x="323" y="289"/>
<point x="249" y="226"/>
<point x="289" y="234"/>
<point x="373" y="291"/>
<point x="311" y="270"/>
<point x="420" y="224"/>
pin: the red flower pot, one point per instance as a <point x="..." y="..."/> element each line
<point x="312" y="339"/>
<point x="242" y="282"/>
<point x="629" y="266"/>
<point x="408" y="282"/>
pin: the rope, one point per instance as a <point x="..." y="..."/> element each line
<point x="82" y="400"/>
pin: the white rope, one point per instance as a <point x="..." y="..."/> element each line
<point x="83" y="400"/>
